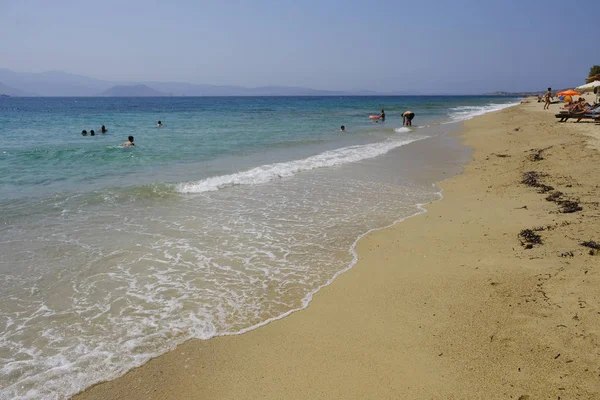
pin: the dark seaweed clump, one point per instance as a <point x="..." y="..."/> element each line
<point x="554" y="196"/>
<point x="545" y="188"/>
<point x="537" y="156"/>
<point x="532" y="178"/>
<point x="591" y="244"/>
<point x="530" y="237"/>
<point x="570" y="206"/>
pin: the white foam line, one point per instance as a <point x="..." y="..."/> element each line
<point x="308" y="298"/>
<point x="465" y="113"/>
<point x="305" y="301"/>
<point x="268" y="172"/>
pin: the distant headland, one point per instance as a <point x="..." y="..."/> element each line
<point x="63" y="84"/>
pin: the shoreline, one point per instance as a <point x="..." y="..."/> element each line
<point x="328" y="354"/>
<point x="457" y="156"/>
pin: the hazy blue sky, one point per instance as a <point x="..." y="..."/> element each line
<point x="429" y="46"/>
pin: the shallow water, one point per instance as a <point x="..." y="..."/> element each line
<point x="233" y="213"/>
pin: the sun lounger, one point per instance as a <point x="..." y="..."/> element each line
<point x="590" y="113"/>
<point x="564" y="117"/>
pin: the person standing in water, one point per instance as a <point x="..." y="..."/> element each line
<point x="103" y="129"/>
<point x="407" y="118"/>
<point x="342" y="128"/>
<point x="84" y="133"/>
<point x="547" y="98"/>
<point x="129" y="142"/>
<point x="159" y="124"/>
<point x="382" y="116"/>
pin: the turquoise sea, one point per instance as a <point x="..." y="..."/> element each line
<point x="232" y="214"/>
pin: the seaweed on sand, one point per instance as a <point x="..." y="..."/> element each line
<point x="537" y="156"/>
<point x="570" y="206"/>
<point x="532" y="178"/>
<point x="591" y="244"/>
<point x="530" y="238"/>
<point x="554" y="196"/>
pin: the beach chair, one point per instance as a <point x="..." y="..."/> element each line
<point x="578" y="117"/>
<point x="592" y="113"/>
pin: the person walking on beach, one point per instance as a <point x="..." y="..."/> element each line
<point x="129" y="142"/>
<point x="547" y="98"/>
<point x="407" y="118"/>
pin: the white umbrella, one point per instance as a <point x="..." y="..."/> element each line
<point x="589" y="87"/>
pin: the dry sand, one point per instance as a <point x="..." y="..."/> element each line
<point x="445" y="305"/>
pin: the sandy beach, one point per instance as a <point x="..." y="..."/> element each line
<point x="450" y="304"/>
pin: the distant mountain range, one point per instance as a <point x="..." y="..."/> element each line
<point x="11" y="91"/>
<point x="526" y="94"/>
<point x="131" y="91"/>
<point x="514" y="94"/>
<point x="63" y="84"/>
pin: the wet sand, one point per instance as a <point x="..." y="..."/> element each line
<point x="451" y="304"/>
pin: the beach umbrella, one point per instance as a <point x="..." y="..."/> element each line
<point x="589" y="87"/>
<point x="567" y="99"/>
<point x="569" y="92"/>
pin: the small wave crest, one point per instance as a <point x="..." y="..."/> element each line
<point x="268" y="172"/>
<point x="464" y="113"/>
<point x="402" y="130"/>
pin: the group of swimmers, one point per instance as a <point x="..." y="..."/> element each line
<point x="93" y="133"/>
<point x="407" y="117"/>
<point x="103" y="129"/>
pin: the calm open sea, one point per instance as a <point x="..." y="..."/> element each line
<point x="232" y="214"/>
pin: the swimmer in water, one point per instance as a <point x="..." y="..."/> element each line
<point x="342" y="128"/>
<point x="159" y="124"/>
<point x="84" y="133"/>
<point x="92" y="133"/>
<point x="129" y="142"/>
<point x="103" y="129"/>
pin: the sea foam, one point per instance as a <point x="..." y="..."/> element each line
<point x="268" y="172"/>
<point x="464" y="113"/>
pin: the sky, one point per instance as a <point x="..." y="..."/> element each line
<point x="430" y="46"/>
